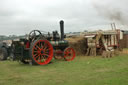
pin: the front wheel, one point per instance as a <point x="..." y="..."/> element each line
<point x="69" y="54"/>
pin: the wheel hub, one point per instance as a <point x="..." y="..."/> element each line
<point x="42" y="51"/>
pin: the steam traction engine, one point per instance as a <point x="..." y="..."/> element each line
<point x="40" y="48"/>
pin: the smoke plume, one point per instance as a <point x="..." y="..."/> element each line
<point x="114" y="10"/>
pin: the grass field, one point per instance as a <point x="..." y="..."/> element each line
<point x="81" y="71"/>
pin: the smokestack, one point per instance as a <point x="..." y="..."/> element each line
<point x="62" y="29"/>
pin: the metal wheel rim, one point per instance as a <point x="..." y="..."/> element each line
<point x="42" y="52"/>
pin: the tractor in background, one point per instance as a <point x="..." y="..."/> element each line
<point x="4" y="51"/>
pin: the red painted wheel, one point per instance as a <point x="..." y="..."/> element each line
<point x="69" y="54"/>
<point x="42" y="52"/>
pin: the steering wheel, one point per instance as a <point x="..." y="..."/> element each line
<point x="34" y="34"/>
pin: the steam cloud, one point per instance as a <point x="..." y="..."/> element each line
<point x="114" y="10"/>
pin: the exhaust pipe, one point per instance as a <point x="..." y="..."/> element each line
<point x="62" y="29"/>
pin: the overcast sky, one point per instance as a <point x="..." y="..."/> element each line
<point x="21" y="16"/>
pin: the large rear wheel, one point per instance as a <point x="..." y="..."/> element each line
<point x="41" y="52"/>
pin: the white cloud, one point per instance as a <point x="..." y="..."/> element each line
<point x="21" y="16"/>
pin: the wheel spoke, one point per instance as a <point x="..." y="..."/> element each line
<point x="42" y="59"/>
<point x="37" y="47"/>
<point x="43" y="56"/>
<point x="35" y="51"/>
<point x="45" y="48"/>
<point x="36" y="55"/>
<point x="45" y="44"/>
<point x="46" y="54"/>
<point x="41" y="45"/>
<point x="39" y="58"/>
